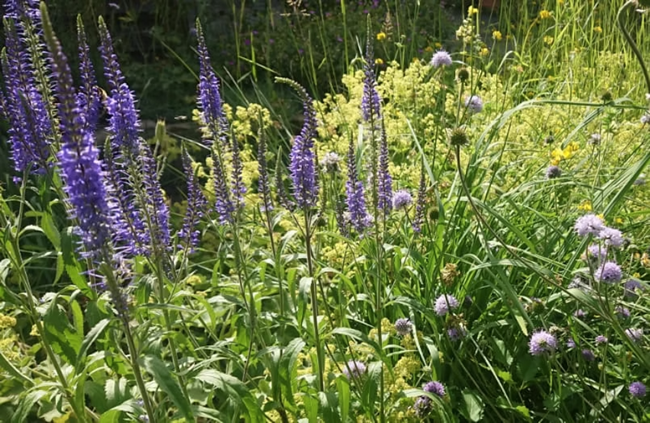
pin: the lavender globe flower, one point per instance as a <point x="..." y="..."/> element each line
<point x="441" y="58"/>
<point x="402" y="199"/>
<point x="542" y="342"/>
<point x="600" y="340"/>
<point x="422" y="406"/>
<point x="444" y="304"/>
<point x="609" y="272"/>
<point x="403" y="326"/>
<point x="474" y="104"/>
<point x="457" y="333"/>
<point x="622" y="312"/>
<point x="589" y="224"/>
<point x="331" y="162"/>
<point x="611" y="237"/>
<point x="596" y="252"/>
<point x="635" y="335"/>
<point x="435" y="388"/>
<point x="588" y="355"/>
<point x="553" y="172"/>
<point x="637" y="389"/>
<point x="631" y="288"/>
<point x="571" y="343"/>
<point x="354" y="369"/>
<point x="580" y="313"/>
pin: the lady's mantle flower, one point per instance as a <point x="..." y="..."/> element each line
<point x="402" y="199"/>
<point x="637" y="389"/>
<point x="474" y="104"/>
<point x="542" y="342"/>
<point x="609" y="272"/>
<point x="354" y="369"/>
<point x="403" y="326"/>
<point x="441" y="58"/>
<point x="444" y="303"/>
<point x="589" y="224"/>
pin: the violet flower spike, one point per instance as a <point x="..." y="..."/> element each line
<point x="420" y="204"/>
<point x="356" y="202"/>
<point x="224" y="205"/>
<point x="196" y="206"/>
<point x="209" y="98"/>
<point x="238" y="187"/>
<point x="370" y="101"/>
<point x="385" y="185"/>
<point x="89" y="96"/>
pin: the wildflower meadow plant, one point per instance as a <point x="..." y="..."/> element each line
<point x="411" y="240"/>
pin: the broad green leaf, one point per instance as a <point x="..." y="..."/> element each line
<point x="473" y="406"/>
<point x="165" y="380"/>
<point x="64" y="339"/>
<point x="343" y="386"/>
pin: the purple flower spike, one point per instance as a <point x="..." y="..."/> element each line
<point x="370" y="101"/>
<point x="356" y="202"/>
<point x="385" y="185"/>
<point x="196" y="206"/>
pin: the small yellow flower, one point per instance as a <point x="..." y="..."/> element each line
<point x="484" y="52"/>
<point x="598" y="30"/>
<point x="618" y="220"/>
<point x="472" y="11"/>
<point x="585" y="206"/>
<point x="497" y="36"/>
<point x="381" y="36"/>
<point x="544" y="14"/>
<point x="428" y="49"/>
<point x="34" y="331"/>
<point x="602" y="216"/>
<point x="548" y="40"/>
<point x="379" y="61"/>
<point x="437" y="45"/>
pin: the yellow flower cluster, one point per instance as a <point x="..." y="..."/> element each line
<point x="496" y="35"/>
<point x="545" y="14"/>
<point x="568" y="152"/>
<point x="7" y="321"/>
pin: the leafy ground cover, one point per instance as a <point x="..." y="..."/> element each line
<point x="459" y="238"/>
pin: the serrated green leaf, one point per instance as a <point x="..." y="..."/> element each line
<point x="63" y="338"/>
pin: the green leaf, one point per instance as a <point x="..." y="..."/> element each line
<point x="25" y="406"/>
<point x="343" y="386"/>
<point x="72" y="266"/>
<point x="473" y="406"/>
<point x="111" y="416"/>
<point x="234" y="389"/>
<point x="12" y="370"/>
<point x="90" y="338"/>
<point x="65" y="340"/>
<point x="52" y="233"/>
<point x="165" y="380"/>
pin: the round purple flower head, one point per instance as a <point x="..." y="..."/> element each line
<point x="570" y="343"/>
<point x="635" y="335"/>
<point x="637" y="389"/>
<point x="612" y="237"/>
<point x="422" y="406"/>
<point x="622" y="312"/>
<point x="402" y="199"/>
<point x="596" y="252"/>
<point x="631" y="286"/>
<point x="600" y="340"/>
<point x="553" y="172"/>
<point x="440" y="58"/>
<point x="444" y="303"/>
<point x="354" y="369"/>
<point x="457" y="333"/>
<point x="589" y="224"/>
<point x="474" y="104"/>
<point x="588" y="355"/>
<point x="403" y="326"/>
<point x="609" y="272"/>
<point x="580" y="313"/>
<point x="435" y="387"/>
<point x="542" y="342"/>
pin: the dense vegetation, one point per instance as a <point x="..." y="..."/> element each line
<point x="442" y="235"/>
